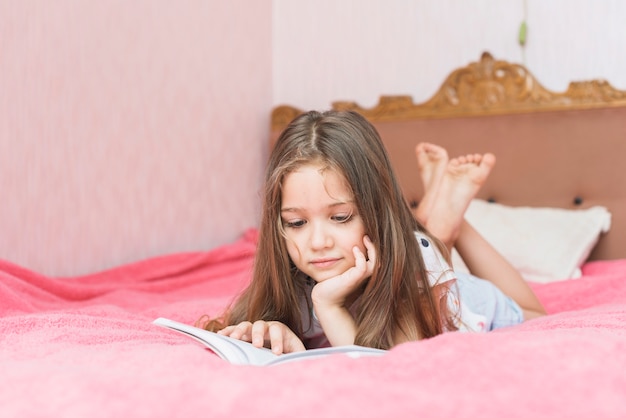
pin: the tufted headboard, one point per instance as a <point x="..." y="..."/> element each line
<point x="565" y="150"/>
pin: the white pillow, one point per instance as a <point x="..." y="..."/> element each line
<point x="544" y="244"/>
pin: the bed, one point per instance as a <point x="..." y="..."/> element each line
<point x="85" y="346"/>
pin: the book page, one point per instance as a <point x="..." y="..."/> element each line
<point x="352" y="351"/>
<point x="229" y="349"/>
<point x="241" y="352"/>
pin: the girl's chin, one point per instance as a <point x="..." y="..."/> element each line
<point x="321" y="277"/>
<point x="322" y="274"/>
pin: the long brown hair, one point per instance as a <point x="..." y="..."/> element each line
<point x="398" y="296"/>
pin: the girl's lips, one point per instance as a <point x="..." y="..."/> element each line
<point x="325" y="262"/>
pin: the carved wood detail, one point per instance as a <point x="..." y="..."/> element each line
<point x="486" y="87"/>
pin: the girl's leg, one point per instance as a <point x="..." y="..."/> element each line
<point x="432" y="161"/>
<point x="461" y="181"/>
<point x="484" y="261"/>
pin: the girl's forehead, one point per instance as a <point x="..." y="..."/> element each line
<point x="305" y="166"/>
<point x="325" y="170"/>
<point x="314" y="176"/>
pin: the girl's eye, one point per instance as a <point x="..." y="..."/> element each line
<point x="342" y="218"/>
<point x="294" y="224"/>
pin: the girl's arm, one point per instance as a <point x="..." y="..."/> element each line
<point x="337" y="322"/>
<point x="331" y="297"/>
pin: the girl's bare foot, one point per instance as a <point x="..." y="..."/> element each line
<point x="431" y="163"/>
<point x="471" y="170"/>
<point x="462" y="179"/>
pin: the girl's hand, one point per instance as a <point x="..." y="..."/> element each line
<point x="329" y="297"/>
<point x="334" y="291"/>
<point x="280" y="338"/>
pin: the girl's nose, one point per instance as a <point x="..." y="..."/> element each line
<point x="320" y="238"/>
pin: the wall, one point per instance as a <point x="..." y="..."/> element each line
<point x="359" y="49"/>
<point x="129" y="129"/>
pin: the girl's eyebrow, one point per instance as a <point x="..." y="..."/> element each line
<point x="332" y="205"/>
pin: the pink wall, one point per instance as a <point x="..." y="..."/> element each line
<point x="129" y="129"/>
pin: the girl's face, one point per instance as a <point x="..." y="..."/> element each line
<point x="321" y="222"/>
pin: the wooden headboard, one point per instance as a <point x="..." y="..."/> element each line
<point x="565" y="150"/>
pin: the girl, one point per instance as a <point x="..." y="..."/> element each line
<point x="342" y="260"/>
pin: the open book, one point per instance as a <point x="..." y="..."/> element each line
<point x="241" y="352"/>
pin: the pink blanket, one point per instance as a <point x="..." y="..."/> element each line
<point x="85" y="346"/>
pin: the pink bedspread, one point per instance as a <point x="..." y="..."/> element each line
<point x="85" y="346"/>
